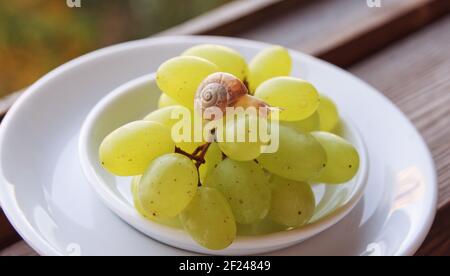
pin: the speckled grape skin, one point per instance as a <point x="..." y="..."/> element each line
<point x="246" y="150"/>
<point x="209" y="219"/>
<point x="293" y="203"/>
<point x="164" y="116"/>
<point x="329" y="115"/>
<point x="212" y="159"/>
<point x="245" y="185"/>
<point x="298" y="99"/>
<point x="227" y="59"/>
<point x="299" y="157"/>
<point x="168" y="185"/>
<point x="171" y="222"/>
<point x="269" y="63"/>
<point x="180" y="77"/>
<point x="129" y="150"/>
<point x="343" y="159"/>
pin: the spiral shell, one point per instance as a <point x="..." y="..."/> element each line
<point x="219" y="90"/>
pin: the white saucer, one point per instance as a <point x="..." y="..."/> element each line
<point x="334" y="202"/>
<point x="46" y="197"/>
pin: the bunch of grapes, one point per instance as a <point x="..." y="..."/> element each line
<point x="215" y="190"/>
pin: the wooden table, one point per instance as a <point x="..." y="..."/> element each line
<point x="401" y="48"/>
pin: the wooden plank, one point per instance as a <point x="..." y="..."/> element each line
<point x="341" y="32"/>
<point x="345" y="31"/>
<point x="233" y="17"/>
<point x="18" y="249"/>
<point x="322" y="23"/>
<point x="382" y="32"/>
<point x="8" y="235"/>
<point x="438" y="241"/>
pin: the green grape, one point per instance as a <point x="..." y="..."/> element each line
<point x="343" y="159"/>
<point x="269" y="63"/>
<point x="298" y="99"/>
<point x="180" y="77"/>
<point x="246" y="187"/>
<point x="261" y="227"/>
<point x="293" y="203"/>
<point x="188" y="146"/>
<point x="212" y="159"/>
<point x="299" y="157"/>
<point x="134" y="189"/>
<point x="164" y="116"/>
<point x="209" y="220"/>
<point x="249" y="146"/>
<point x="165" y="101"/>
<point x="329" y="115"/>
<point x="168" y="185"/>
<point x="310" y="124"/>
<point x="171" y="222"/>
<point x="227" y="59"/>
<point x="129" y="149"/>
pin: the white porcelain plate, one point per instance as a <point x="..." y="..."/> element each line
<point x="50" y="203"/>
<point x="135" y="99"/>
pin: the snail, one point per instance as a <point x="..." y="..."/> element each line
<point x="221" y="90"/>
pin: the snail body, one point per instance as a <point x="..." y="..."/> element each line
<point x="222" y="90"/>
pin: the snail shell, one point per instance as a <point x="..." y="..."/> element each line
<point x="222" y="90"/>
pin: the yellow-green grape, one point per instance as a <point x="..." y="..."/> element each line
<point x="165" y="101"/>
<point x="299" y="157"/>
<point x="134" y="191"/>
<point x="261" y="227"/>
<point x="246" y="187"/>
<point x="298" y="99"/>
<point x="329" y="115"/>
<point x="180" y="77"/>
<point x="168" y="185"/>
<point x="250" y="146"/>
<point x="190" y="142"/>
<point x="227" y="59"/>
<point x="164" y="116"/>
<point x="310" y="124"/>
<point x="188" y="146"/>
<point x="343" y="159"/>
<point x="269" y="63"/>
<point x="172" y="222"/>
<point x="212" y="159"/>
<point x="129" y="149"/>
<point x="209" y="220"/>
<point x="293" y="203"/>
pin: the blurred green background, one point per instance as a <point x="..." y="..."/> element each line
<point x="38" y="35"/>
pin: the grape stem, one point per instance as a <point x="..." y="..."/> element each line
<point x="202" y="150"/>
<point x="198" y="155"/>
<point x="191" y="156"/>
